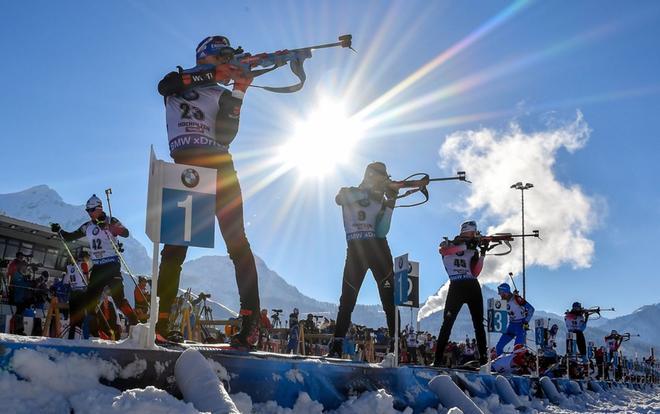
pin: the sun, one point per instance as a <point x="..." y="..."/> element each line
<point x="323" y="141"/>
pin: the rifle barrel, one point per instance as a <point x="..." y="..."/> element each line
<point x="344" y="41"/>
<point x="448" y="179"/>
<point x="535" y="234"/>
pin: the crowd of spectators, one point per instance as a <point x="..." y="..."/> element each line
<point x="25" y="289"/>
<point x="360" y="341"/>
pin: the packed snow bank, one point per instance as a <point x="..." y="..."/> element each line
<point x="200" y="384"/>
<point x="47" y="381"/>
<point x="52" y="382"/>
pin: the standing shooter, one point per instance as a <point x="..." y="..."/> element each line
<point x="367" y="211"/>
<point x="463" y="262"/>
<point x="576" y="322"/>
<point x="101" y="232"/>
<point x="202" y="121"/>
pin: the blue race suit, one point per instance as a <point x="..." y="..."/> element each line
<point x="520" y="313"/>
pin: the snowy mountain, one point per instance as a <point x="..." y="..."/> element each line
<point x="43" y="205"/>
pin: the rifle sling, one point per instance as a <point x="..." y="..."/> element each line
<point x="297" y="68"/>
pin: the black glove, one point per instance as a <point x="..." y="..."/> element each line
<point x="55" y="227"/>
<point x="101" y="220"/>
<point x="472" y="244"/>
<point x="484" y="248"/>
<point x="172" y="83"/>
<point x="391" y="193"/>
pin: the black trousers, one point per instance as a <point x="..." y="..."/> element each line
<point x="363" y="255"/>
<point x="103" y="275"/>
<point x="76" y="311"/>
<point x="462" y="292"/>
<point x="581" y="343"/>
<point x="229" y="211"/>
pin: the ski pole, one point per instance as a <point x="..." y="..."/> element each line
<point x="514" y="283"/>
<point x="116" y="248"/>
<point x="107" y="197"/>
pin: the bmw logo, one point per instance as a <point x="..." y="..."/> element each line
<point x="190" y="177"/>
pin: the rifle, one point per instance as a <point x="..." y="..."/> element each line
<point x="626" y="336"/>
<point x="596" y="310"/>
<point x="490" y="242"/>
<point x="417" y="183"/>
<point x="242" y="64"/>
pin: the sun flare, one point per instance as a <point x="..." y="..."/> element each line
<point x="322" y="142"/>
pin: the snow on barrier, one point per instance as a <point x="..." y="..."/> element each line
<point x="284" y="379"/>
<point x="451" y="396"/>
<point x="595" y="387"/>
<point x="200" y="385"/>
<point x="550" y="391"/>
<point x="506" y="393"/>
<point x="473" y="384"/>
<point x="573" y="388"/>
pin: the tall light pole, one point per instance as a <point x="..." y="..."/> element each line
<point x="522" y="187"/>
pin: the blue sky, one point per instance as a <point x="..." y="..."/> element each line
<point x="80" y="110"/>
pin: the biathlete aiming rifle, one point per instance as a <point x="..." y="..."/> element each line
<point x="242" y="65"/>
<point x="417" y="183"/>
<point x="490" y="242"/>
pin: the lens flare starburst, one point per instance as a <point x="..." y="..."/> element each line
<point x="322" y="142"/>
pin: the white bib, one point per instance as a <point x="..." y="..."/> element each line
<point x="99" y="242"/>
<point x="191" y="119"/>
<point x="458" y="265"/>
<point x="74" y="278"/>
<point x="360" y="217"/>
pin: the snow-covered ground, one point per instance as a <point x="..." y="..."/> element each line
<point x="51" y="382"/>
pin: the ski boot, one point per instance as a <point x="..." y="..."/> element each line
<point x="128" y="312"/>
<point x="164" y="335"/>
<point x="336" y="348"/>
<point x="248" y="336"/>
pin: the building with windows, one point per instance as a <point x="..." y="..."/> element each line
<point x="42" y="249"/>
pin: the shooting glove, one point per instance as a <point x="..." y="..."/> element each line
<point x="391" y="193"/>
<point x="55" y="228"/>
<point x="101" y="220"/>
<point x="472" y="244"/>
<point x="172" y="83"/>
<point x="390" y="196"/>
<point x="241" y="81"/>
<point x="484" y="248"/>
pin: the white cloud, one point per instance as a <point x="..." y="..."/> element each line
<point x="434" y="303"/>
<point x="563" y="213"/>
